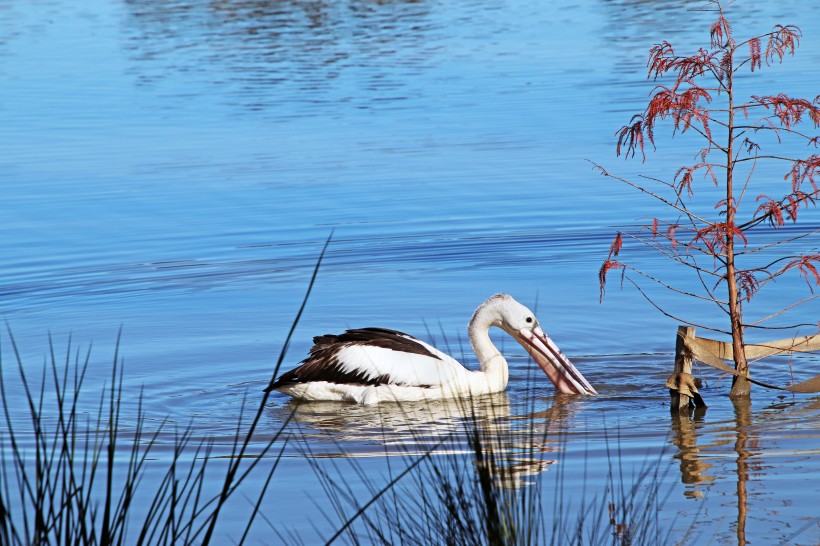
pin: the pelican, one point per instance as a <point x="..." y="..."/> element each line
<point x="373" y="365"/>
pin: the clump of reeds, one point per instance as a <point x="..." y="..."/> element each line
<point x="74" y="477"/>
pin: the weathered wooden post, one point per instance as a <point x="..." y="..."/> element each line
<point x="681" y="385"/>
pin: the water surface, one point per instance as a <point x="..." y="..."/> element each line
<point x="174" y="168"/>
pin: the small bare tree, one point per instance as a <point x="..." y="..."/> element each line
<point x="722" y="251"/>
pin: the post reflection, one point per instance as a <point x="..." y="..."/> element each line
<point x="738" y="433"/>
<point x="684" y="436"/>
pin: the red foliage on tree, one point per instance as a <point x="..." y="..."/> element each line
<point x="699" y="95"/>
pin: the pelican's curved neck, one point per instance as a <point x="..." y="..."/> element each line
<point x="493" y="364"/>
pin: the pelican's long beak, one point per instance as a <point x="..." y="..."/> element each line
<point x="559" y="369"/>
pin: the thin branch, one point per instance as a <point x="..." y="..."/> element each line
<point x="672" y="288"/>
<point x="748" y="179"/>
<point x="673" y="255"/>
<point x="670" y="315"/>
<point x="777" y="243"/>
<point x="755" y="158"/>
<point x="651" y="194"/>
<point x="790" y="131"/>
<point x="777" y="314"/>
<point x="699" y="270"/>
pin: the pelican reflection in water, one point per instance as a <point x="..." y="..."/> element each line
<point x="519" y="441"/>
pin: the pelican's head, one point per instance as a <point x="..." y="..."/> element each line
<point x="523" y="326"/>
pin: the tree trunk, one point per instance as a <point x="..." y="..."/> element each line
<point x="741" y="387"/>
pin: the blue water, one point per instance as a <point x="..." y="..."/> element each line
<point x="174" y="169"/>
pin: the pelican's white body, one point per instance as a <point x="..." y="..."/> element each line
<point x="421" y="377"/>
<point x="411" y="376"/>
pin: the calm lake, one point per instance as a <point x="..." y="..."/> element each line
<point x="173" y="168"/>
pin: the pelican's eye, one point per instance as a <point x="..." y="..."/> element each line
<point x="528" y="320"/>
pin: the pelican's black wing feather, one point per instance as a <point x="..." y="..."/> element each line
<point x="322" y="364"/>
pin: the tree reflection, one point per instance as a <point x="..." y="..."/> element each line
<point x="743" y="420"/>
<point x="247" y="48"/>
